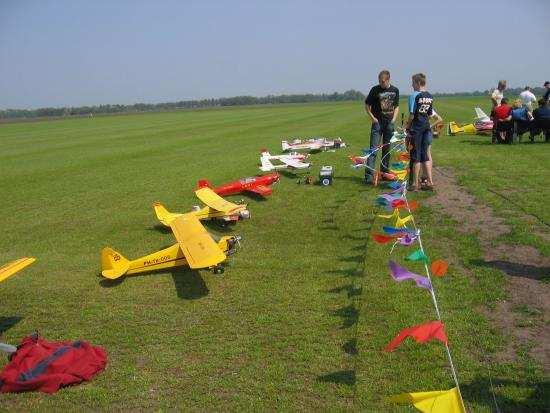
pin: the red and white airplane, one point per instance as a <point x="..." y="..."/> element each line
<point x="257" y="185"/>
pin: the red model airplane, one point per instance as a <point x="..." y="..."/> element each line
<point x="257" y="185"/>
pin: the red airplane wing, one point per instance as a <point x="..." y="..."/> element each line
<point x="261" y="190"/>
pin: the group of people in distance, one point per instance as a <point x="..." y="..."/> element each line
<point x="382" y="106"/>
<point x="520" y="117"/>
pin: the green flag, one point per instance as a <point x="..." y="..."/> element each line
<point x="417" y="255"/>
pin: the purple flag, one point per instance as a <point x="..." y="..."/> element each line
<point x="407" y="240"/>
<point x="401" y="274"/>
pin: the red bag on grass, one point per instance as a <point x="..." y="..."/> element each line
<point x="46" y="366"/>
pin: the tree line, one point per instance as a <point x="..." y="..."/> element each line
<point x="183" y="104"/>
<point x="349" y="95"/>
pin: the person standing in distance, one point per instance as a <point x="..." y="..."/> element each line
<point x="382" y="105"/>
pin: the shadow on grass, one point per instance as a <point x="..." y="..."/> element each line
<point x="8" y="322"/>
<point x="189" y="283"/>
<point x="349" y="315"/>
<point x="339" y="377"/>
<point x="350" y="347"/>
<point x="350" y="272"/>
<point x="481" y="390"/>
<point x="354" y="258"/>
<point x="515" y="269"/>
<point x="351" y="290"/>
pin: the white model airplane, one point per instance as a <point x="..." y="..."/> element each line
<point x="292" y="160"/>
<point x="314" y="144"/>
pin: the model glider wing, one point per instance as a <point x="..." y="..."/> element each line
<point x="198" y="247"/>
<point x="214" y="201"/>
<point x="15" y="266"/>
<point x="261" y="190"/>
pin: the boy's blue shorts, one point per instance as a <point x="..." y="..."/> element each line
<point x="421" y="139"/>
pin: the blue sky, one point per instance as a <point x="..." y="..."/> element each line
<point x="71" y="53"/>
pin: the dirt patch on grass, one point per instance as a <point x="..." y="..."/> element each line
<point x="525" y="314"/>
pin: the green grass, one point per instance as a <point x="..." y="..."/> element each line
<point x="303" y="310"/>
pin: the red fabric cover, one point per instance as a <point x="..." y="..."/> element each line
<point x="421" y="333"/>
<point x="503" y="111"/>
<point x="79" y="362"/>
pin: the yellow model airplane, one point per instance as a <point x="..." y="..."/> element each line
<point x="15" y="266"/>
<point x="216" y="208"/>
<point x="195" y="248"/>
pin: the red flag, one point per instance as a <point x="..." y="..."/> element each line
<point x="439" y="268"/>
<point x="401" y="204"/>
<point x="382" y="239"/>
<point x="421" y="333"/>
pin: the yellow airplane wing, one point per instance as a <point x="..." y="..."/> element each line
<point x="198" y="247"/>
<point x="12" y="267"/>
<point x="214" y="201"/>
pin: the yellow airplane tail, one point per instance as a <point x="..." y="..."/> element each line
<point x="454" y="128"/>
<point x="163" y="214"/>
<point x="113" y="264"/>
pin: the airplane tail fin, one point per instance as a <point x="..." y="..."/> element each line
<point x="113" y="264"/>
<point x="204" y="183"/>
<point x="163" y="214"/>
<point x="480" y="114"/>
<point x="454" y="128"/>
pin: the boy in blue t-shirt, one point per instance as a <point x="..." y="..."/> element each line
<point x="419" y="130"/>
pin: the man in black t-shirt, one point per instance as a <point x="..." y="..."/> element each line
<point x="382" y="105"/>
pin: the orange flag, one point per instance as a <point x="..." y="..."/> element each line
<point x="439" y="268"/>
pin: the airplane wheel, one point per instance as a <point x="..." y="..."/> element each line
<point x="219" y="269"/>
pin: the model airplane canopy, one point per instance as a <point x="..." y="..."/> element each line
<point x="13" y="267"/>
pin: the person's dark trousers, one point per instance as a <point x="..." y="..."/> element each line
<point x="380" y="133"/>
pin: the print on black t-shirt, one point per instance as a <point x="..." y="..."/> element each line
<point x="383" y="101"/>
<point x="423" y="109"/>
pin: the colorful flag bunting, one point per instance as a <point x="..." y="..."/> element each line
<point x="444" y="401"/>
<point x="402" y="274"/>
<point x="439" y="268"/>
<point x="417" y="255"/>
<point x="433" y="330"/>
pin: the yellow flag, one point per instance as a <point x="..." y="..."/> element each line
<point x="401" y="175"/>
<point x="445" y="401"/>
<point x="400" y="222"/>
<point x="395" y="214"/>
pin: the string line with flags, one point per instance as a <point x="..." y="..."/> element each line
<point x="405" y="232"/>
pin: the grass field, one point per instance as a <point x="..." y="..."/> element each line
<point x="299" y="318"/>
